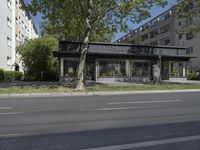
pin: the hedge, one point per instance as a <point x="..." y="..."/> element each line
<point x="10" y="75"/>
<point x="1" y="75"/>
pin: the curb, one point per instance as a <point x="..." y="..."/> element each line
<point x="93" y="93"/>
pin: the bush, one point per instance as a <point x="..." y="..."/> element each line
<point x="18" y="76"/>
<point x="1" y="75"/>
<point x="193" y="76"/>
<point x="38" y="58"/>
<point x="12" y="76"/>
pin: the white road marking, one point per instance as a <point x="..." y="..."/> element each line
<point x="122" y="108"/>
<point x="148" y="143"/>
<point x="11" y="113"/>
<point x="11" y="135"/>
<point x="4" y="108"/>
<point x="144" y="102"/>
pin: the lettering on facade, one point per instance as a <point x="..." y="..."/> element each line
<point x="141" y="50"/>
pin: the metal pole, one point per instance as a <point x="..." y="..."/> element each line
<point x="160" y="57"/>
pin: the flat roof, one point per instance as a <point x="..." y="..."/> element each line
<point x="124" y="44"/>
<point x="70" y="49"/>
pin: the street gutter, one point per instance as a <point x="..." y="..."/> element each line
<point x="102" y="93"/>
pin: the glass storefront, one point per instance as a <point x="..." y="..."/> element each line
<point x="71" y="68"/>
<point x="176" y="69"/>
<point x="112" y="68"/>
<point x="140" y="68"/>
<point x="108" y="68"/>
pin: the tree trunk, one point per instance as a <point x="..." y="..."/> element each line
<point x="80" y="85"/>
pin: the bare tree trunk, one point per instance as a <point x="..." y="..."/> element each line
<point x="80" y="85"/>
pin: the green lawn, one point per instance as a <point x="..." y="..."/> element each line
<point x="34" y="90"/>
<point x="142" y="87"/>
<point x="96" y="88"/>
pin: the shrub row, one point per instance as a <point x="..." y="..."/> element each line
<point x="10" y="75"/>
<point x="192" y="75"/>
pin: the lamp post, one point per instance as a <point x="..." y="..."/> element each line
<point x="160" y="63"/>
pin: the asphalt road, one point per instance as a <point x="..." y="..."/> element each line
<point x="139" y="121"/>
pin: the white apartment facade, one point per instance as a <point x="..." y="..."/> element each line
<point x="167" y="29"/>
<point x="16" y="26"/>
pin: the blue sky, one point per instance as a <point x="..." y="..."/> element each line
<point x="155" y="11"/>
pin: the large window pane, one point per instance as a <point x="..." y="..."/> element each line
<point x="112" y="68"/>
<point x="71" y="68"/>
<point x="140" y="69"/>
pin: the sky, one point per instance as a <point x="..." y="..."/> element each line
<point x="155" y="11"/>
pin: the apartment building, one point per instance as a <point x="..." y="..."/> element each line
<point x="167" y="29"/>
<point x="16" y="26"/>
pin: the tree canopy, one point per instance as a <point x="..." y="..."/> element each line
<point x="69" y="16"/>
<point x="37" y="56"/>
<point x="188" y="9"/>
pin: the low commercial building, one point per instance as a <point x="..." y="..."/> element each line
<point x="123" y="62"/>
<point x="16" y="26"/>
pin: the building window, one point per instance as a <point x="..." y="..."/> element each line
<point x="189" y="50"/>
<point x="144" y="37"/>
<point x="132" y="42"/>
<point x="9" y="4"/>
<point x="141" y="69"/>
<point x="154" y="43"/>
<point x="180" y="23"/>
<point x="165" y="41"/>
<point x="189" y="21"/>
<point x="189" y="36"/>
<point x="153" y="33"/>
<point x="71" y="67"/>
<point x="9" y="22"/>
<point x="112" y="68"/>
<point x="17" y="4"/>
<point x="9" y="41"/>
<point x="144" y="27"/>
<point x="165" y="16"/>
<point x="164" y="29"/>
<point x="154" y="22"/>
<point x="17" y="21"/>
<point x="180" y="36"/>
<point x="9" y="61"/>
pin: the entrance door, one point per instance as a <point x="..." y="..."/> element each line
<point x="90" y="70"/>
<point x="165" y="71"/>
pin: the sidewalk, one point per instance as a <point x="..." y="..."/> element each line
<point x="94" y="93"/>
<point x="184" y="82"/>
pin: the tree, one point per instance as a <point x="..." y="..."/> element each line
<point x="37" y="56"/>
<point x="56" y="31"/>
<point x="188" y="9"/>
<point x="84" y="17"/>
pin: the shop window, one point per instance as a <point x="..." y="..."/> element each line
<point x="71" y="67"/>
<point x="112" y="68"/>
<point x="140" y="69"/>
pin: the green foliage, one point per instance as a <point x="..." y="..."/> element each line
<point x="192" y="76"/>
<point x="10" y="76"/>
<point x="67" y="19"/>
<point x="1" y="75"/>
<point x="187" y="9"/>
<point x="38" y="58"/>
